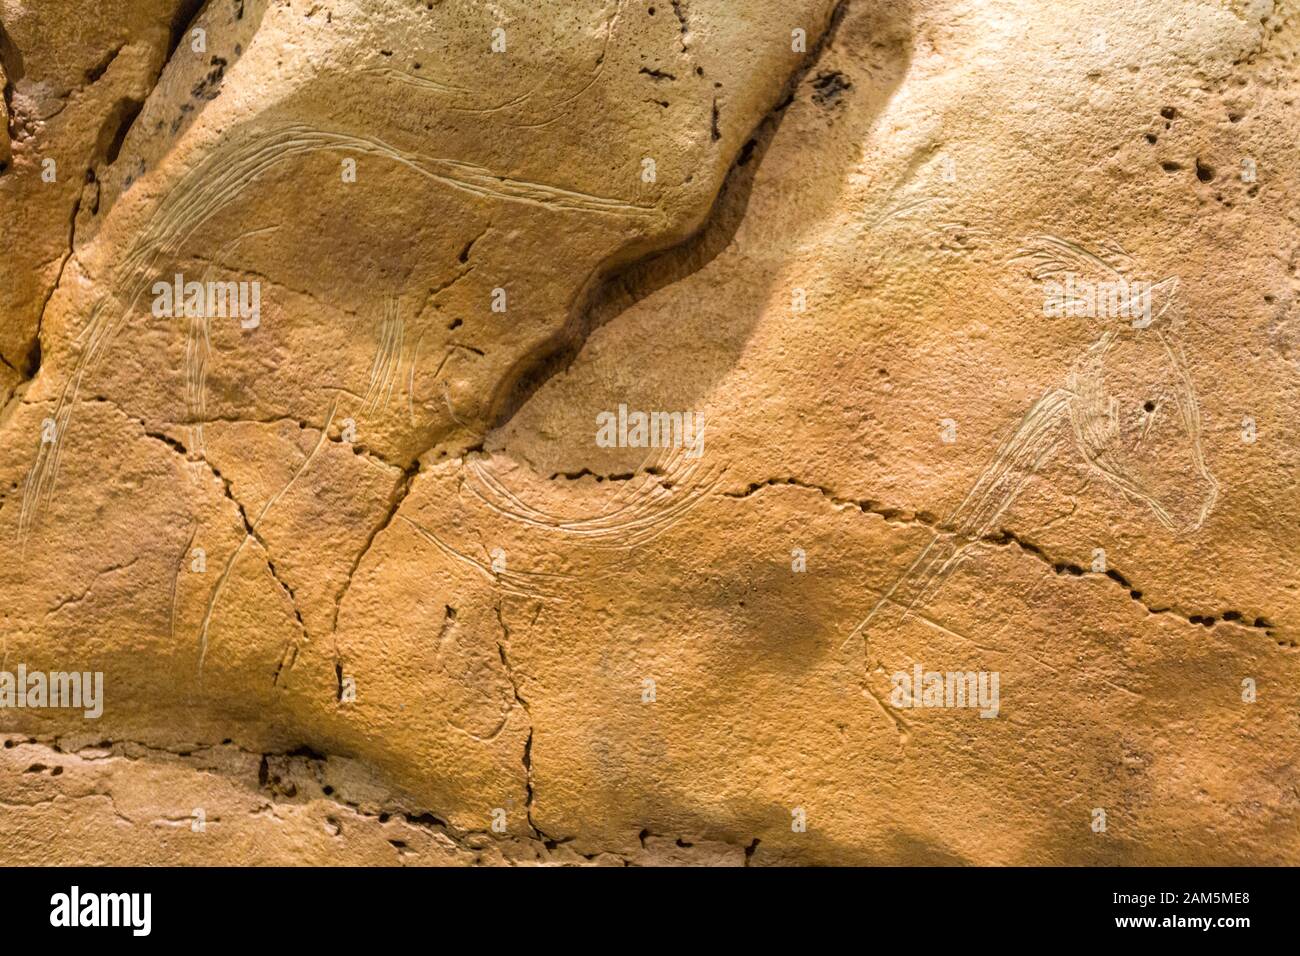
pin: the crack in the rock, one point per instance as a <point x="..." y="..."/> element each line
<point x="182" y="20"/>
<point x="460" y="274"/>
<point x="1006" y="538"/>
<point x="359" y="449"/>
<point x="679" y="9"/>
<point x="609" y="293"/>
<point x="102" y="794"/>
<point x="401" y="489"/>
<point x="527" y="759"/>
<point x="895" y="516"/>
<point x="33" y="362"/>
<point x="271" y="785"/>
<point x="73" y="600"/>
<point x="250" y="531"/>
<point x="585" y="472"/>
<point x="1260" y="624"/>
<point x="123" y="113"/>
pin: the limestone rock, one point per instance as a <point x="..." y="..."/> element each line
<point x="967" y="332"/>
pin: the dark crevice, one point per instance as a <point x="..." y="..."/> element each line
<point x="249" y="529"/>
<point x="528" y="782"/>
<point x="401" y="489"/>
<point x="302" y="750"/>
<point x="170" y="442"/>
<point x="34" y="350"/>
<point x="98" y="70"/>
<point x="183" y="19"/>
<point x="621" y="287"/>
<point x="527" y="758"/>
<point x="33" y="363"/>
<point x="679" y="10"/>
<point x="747" y="152"/>
<point x="588" y="473"/>
<point x="1004" y="537"/>
<point x="112" y="134"/>
<point x="1072" y="570"/>
<point x="11" y="60"/>
<point x="121" y="120"/>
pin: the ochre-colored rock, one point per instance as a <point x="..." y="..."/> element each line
<point x="978" y="322"/>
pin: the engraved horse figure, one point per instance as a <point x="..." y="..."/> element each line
<point x="1128" y="408"/>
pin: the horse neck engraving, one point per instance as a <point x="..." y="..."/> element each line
<point x="1138" y="465"/>
<point x="1020" y="455"/>
<point x="1024" y="452"/>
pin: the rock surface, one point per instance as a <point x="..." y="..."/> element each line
<point x="368" y="583"/>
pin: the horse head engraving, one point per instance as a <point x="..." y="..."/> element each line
<point x="1127" y="407"/>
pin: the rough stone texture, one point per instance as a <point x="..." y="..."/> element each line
<point x="840" y="262"/>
